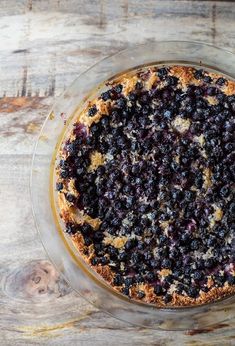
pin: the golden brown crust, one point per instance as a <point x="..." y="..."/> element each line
<point x="70" y="214"/>
<point x="215" y="293"/>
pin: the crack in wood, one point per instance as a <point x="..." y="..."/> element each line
<point x="125" y="9"/>
<point x="47" y="331"/>
<point x="213" y="28"/>
<point x="30" y="5"/>
<point x="206" y="330"/>
<point x="102" y="21"/>
<point x="24" y="81"/>
<point x="17" y="51"/>
<point x="51" y="91"/>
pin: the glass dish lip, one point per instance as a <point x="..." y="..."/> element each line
<point x="105" y="285"/>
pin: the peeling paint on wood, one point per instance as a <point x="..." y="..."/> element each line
<point x="13" y="104"/>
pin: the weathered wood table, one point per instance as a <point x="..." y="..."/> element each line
<point x="44" y="45"/>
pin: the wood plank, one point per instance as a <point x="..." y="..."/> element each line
<point x="36" y="59"/>
<point x="45" y="44"/>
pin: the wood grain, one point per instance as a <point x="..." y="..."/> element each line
<point x="44" y="45"/>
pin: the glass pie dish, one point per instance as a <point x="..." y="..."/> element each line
<point x="44" y="198"/>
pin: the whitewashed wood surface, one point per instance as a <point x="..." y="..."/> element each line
<point x="44" y="45"/>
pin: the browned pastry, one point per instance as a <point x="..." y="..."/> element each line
<point x="145" y="184"/>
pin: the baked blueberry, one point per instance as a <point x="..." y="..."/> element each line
<point x="192" y="292"/>
<point x="167" y="298"/>
<point x="71" y="228"/>
<point x="162" y="72"/>
<point x="59" y="186"/>
<point x="221" y="81"/>
<point x="158" y="290"/>
<point x="195" y="244"/>
<point x="231" y="280"/>
<point x="118" y="88"/>
<point x="141" y="294"/>
<point x="106" y="95"/>
<point x="166" y="263"/>
<point x="92" y="111"/>
<point x="125" y="291"/>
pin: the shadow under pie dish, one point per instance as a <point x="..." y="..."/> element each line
<point x="145" y="182"/>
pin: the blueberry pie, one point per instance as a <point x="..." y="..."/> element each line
<point x="145" y="183"/>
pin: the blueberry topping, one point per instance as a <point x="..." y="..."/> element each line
<point x="118" y="280"/>
<point x="207" y="79"/>
<point x="166" y="263"/>
<point x="123" y="256"/>
<point x="139" y="85"/>
<point x="221" y="81"/>
<point x="232" y="209"/>
<point x="118" y="88"/>
<point x="199" y="74"/>
<point x="198" y="275"/>
<point x="163" y="191"/>
<point x="71" y="228"/>
<point x="121" y="103"/>
<point x="168" y="298"/>
<point x="195" y="244"/>
<point x="158" y="290"/>
<point x="209" y="263"/>
<point x="94" y="261"/>
<point x="231" y="280"/>
<point x="192" y="292"/>
<point x="59" y="186"/>
<point x="162" y="72"/>
<point x="171" y="80"/>
<point x="106" y="96"/>
<point x="64" y="174"/>
<point x="87" y="241"/>
<point x="141" y="294"/>
<point x="125" y="291"/>
<point x="92" y="111"/>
